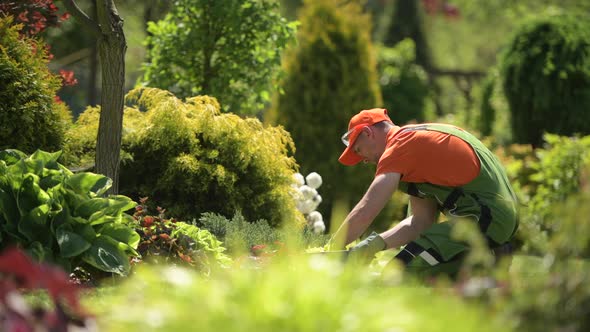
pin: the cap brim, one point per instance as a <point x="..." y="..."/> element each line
<point x="349" y="158"/>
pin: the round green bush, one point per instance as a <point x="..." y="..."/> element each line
<point x="546" y="78"/>
<point x="30" y="117"/>
<point x="404" y="84"/>
<point x="189" y="158"/>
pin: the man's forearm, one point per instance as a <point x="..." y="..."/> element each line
<point x="404" y="232"/>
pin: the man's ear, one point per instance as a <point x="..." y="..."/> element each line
<point x="369" y="131"/>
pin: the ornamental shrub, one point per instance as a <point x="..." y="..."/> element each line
<point x="330" y="76"/>
<point x="404" y="84"/>
<point x="30" y="117"/>
<point x="546" y="78"/>
<point x="190" y="158"/>
<point x="230" y="50"/>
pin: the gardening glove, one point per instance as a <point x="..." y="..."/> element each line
<point x="365" y="251"/>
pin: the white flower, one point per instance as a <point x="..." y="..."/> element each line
<point x="313" y="180"/>
<point x="306" y="206"/>
<point x="319" y="227"/>
<point x="299" y="180"/>
<point x="314" y="216"/>
<point x="316" y="200"/>
<point x="308" y="192"/>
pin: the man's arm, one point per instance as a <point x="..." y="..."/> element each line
<point x="367" y="208"/>
<point x="424" y="213"/>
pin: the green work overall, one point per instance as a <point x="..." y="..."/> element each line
<point x="488" y="200"/>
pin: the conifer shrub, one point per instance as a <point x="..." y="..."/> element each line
<point x="330" y="75"/>
<point x="30" y="117"/>
<point x="546" y="78"/>
<point x="190" y="158"/>
<point x="404" y="84"/>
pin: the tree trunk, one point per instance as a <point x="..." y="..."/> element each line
<point x="107" y="26"/>
<point x="93" y="69"/>
<point x="111" y="50"/>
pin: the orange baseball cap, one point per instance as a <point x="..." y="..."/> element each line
<point x="361" y="120"/>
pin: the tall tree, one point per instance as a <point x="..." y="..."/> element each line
<point x="227" y="49"/>
<point x="108" y="29"/>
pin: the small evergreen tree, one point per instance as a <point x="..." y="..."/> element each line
<point x="30" y="117"/>
<point x="546" y="78"/>
<point x="330" y="76"/>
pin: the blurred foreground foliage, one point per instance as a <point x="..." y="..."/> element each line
<point x="292" y="294"/>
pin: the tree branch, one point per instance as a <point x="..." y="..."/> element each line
<point x="73" y="8"/>
<point x="469" y="74"/>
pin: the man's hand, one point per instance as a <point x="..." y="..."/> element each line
<point x="365" y="251"/>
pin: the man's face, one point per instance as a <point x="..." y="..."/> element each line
<point x="366" y="147"/>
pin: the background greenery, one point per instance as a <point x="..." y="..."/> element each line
<point x="498" y="68"/>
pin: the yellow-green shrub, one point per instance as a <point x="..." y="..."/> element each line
<point x="30" y="117"/>
<point x="190" y="158"/>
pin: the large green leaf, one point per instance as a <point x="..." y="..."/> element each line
<point x="100" y="218"/>
<point x="84" y="230"/>
<point x="47" y="159"/>
<point x="11" y="156"/>
<point x="51" y="178"/>
<point x="8" y="207"/>
<point x="33" y="225"/>
<point x="121" y="233"/>
<point x="106" y="254"/>
<point x="111" y="206"/>
<point x="70" y="243"/>
<point x="30" y="195"/>
<point x="39" y="253"/>
<point x="89" y="182"/>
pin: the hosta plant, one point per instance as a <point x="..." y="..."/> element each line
<point x="62" y="217"/>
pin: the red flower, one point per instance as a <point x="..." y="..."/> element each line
<point x="148" y="221"/>
<point x="68" y="78"/>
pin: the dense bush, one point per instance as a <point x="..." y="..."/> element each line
<point x="229" y="50"/>
<point x="30" y="118"/>
<point x="191" y="159"/>
<point x="556" y="177"/>
<point x="404" y="85"/>
<point x="330" y="76"/>
<point x="546" y="78"/>
<point x="61" y="217"/>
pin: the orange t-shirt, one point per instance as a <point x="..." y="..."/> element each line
<point x="429" y="156"/>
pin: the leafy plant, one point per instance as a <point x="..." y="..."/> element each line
<point x="404" y="84"/>
<point x="30" y="117"/>
<point x="240" y="235"/>
<point x="62" y="217"/>
<point x="170" y="241"/>
<point x="192" y="159"/>
<point x="546" y="78"/>
<point x="229" y="50"/>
